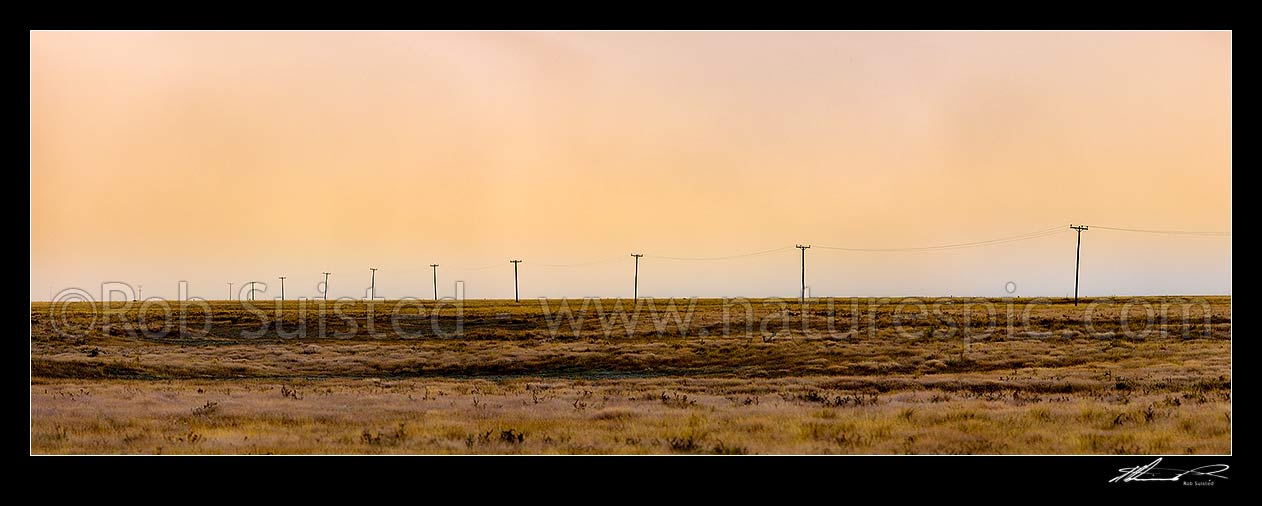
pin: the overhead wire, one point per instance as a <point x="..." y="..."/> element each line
<point x="727" y="257"/>
<point x="482" y="268"/>
<point x="583" y="264"/>
<point x="1166" y="232"/>
<point x="1038" y="234"/>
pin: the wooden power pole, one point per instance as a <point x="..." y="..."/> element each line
<point x="803" y="248"/>
<point x="635" y="290"/>
<point x="1077" y="259"/>
<point x="516" y="297"/>
<point x="435" y="266"/>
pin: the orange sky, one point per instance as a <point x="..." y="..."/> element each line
<point x="217" y="157"/>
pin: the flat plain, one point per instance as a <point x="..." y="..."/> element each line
<point x="1124" y="375"/>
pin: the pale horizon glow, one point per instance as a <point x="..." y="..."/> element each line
<point x="217" y="157"/>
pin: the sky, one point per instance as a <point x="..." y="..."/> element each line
<point x="229" y="157"/>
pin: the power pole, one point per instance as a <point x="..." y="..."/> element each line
<point x="282" y="288"/>
<point x="229" y="291"/>
<point x="140" y="292"/>
<point x="435" y="266"/>
<point x="803" y="248"/>
<point x="326" y="287"/>
<point x="372" y="287"/>
<point x="516" y="298"/>
<point x="251" y="290"/>
<point x="635" y="291"/>
<point x="1077" y="259"/>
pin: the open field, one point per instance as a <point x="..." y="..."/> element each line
<point x="1142" y="375"/>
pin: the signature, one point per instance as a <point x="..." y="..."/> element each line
<point x="1151" y="472"/>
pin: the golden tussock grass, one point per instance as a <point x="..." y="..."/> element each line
<point x="509" y="383"/>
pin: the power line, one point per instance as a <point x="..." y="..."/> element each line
<point x="728" y="257"/>
<point x="1037" y="234"/>
<point x="583" y="264"/>
<point x="1167" y="232"/>
<point x="481" y="268"/>
<point x="1047" y="232"/>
